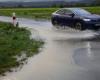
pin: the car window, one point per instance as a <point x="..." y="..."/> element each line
<point x="60" y="11"/>
<point x="81" y="12"/>
<point x="67" y="12"/>
<point x="64" y="12"/>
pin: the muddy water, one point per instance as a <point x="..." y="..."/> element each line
<point x="67" y="54"/>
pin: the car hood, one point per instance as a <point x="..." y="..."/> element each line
<point x="92" y="16"/>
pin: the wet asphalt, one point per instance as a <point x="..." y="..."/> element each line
<point x="68" y="54"/>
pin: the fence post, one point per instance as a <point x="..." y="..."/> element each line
<point x="14" y="18"/>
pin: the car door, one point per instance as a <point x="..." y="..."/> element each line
<point x="67" y="18"/>
<point x="59" y="17"/>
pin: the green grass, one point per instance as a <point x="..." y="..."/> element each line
<point x="29" y="12"/>
<point x="95" y="10"/>
<point x="39" y="12"/>
<point x="14" y="42"/>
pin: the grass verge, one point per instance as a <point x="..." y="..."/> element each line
<point x="39" y="12"/>
<point x="14" y="43"/>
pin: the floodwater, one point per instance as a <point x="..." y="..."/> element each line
<point x="67" y="54"/>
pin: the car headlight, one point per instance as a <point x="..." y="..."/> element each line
<point x="86" y="19"/>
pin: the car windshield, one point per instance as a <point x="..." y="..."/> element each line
<point x="81" y="12"/>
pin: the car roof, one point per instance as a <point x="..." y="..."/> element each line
<point x="72" y="8"/>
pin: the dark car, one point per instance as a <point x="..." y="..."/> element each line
<point x="76" y="18"/>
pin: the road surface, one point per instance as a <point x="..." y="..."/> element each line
<point x="67" y="54"/>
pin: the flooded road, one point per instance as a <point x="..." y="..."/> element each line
<point x="67" y="54"/>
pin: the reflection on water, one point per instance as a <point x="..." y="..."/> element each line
<point x="88" y="56"/>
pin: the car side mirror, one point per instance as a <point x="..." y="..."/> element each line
<point x="72" y="15"/>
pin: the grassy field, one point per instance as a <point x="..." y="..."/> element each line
<point x="14" y="43"/>
<point x="29" y="12"/>
<point x="39" y="12"/>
